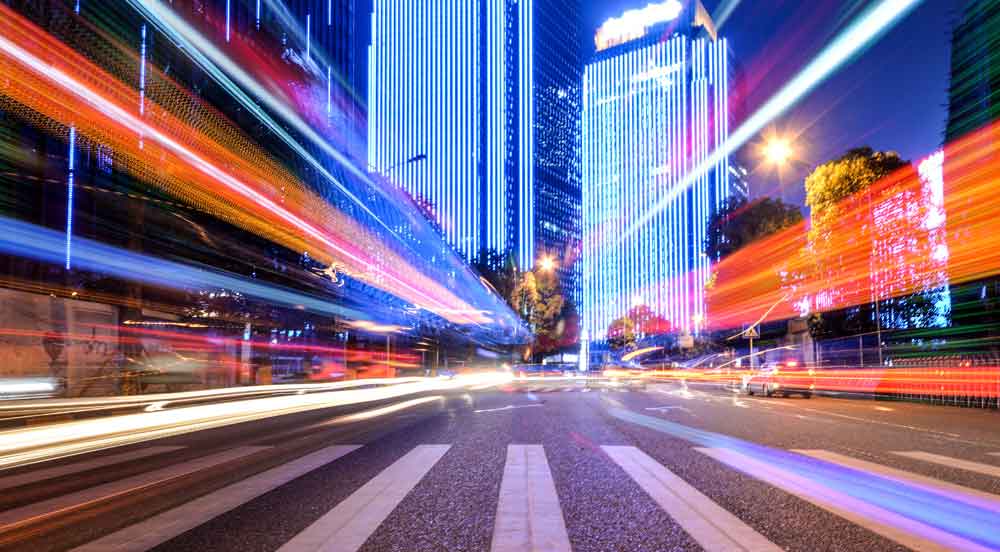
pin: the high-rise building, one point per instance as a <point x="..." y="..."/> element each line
<point x="655" y="106"/>
<point x="973" y="106"/>
<point x="450" y="116"/>
<point x="558" y="69"/>
<point x="974" y="92"/>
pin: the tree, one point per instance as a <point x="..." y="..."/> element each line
<point x="499" y="270"/>
<point x="621" y="334"/>
<point x="537" y="296"/>
<point x="739" y="222"/>
<point x="835" y="181"/>
<point x="838" y="194"/>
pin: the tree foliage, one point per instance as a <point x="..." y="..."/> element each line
<point x="840" y="195"/>
<point x="499" y="270"/>
<point x="833" y="182"/>
<point x="739" y="222"/>
<point x="621" y="334"/>
<point x="639" y="323"/>
<point x="538" y="297"/>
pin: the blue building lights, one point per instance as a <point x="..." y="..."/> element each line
<point x="443" y="84"/>
<point x="652" y="110"/>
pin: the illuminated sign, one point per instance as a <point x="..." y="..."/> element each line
<point x="634" y="23"/>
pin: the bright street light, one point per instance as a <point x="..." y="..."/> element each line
<point x="547" y="264"/>
<point x="777" y="151"/>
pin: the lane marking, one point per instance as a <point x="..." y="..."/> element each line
<point x="508" y="407"/>
<point x="666" y="408"/>
<point x="968" y="465"/>
<point x="167" y="525"/>
<point x="907" y="532"/>
<point x="10" y="519"/>
<point x="348" y="525"/>
<point x="711" y="526"/>
<point x="528" y="515"/>
<point x="973" y="497"/>
<point x="77" y="467"/>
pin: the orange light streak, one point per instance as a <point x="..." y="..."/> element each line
<point x="59" y="87"/>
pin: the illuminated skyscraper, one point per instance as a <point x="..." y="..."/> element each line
<point x="450" y="87"/>
<point x="655" y="104"/>
<point x="558" y="72"/>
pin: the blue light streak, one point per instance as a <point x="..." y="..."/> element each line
<point x="962" y="515"/>
<point x="69" y="196"/>
<point x="228" y="11"/>
<point x="308" y="37"/>
<point x="35" y="242"/>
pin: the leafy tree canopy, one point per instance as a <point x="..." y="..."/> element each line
<point x="835" y="181"/>
<point x="739" y="222"/>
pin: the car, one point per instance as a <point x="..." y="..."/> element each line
<point x="626" y="376"/>
<point x="781" y="378"/>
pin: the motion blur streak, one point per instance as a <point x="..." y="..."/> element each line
<point x="855" y="39"/>
<point x="926" y="506"/>
<point x="217" y="64"/>
<point x="851" y="268"/>
<point x="31" y="445"/>
<point x="196" y="172"/>
<point x="167" y="399"/>
<point x="34" y="242"/>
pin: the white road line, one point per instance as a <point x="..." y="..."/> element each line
<point x="710" y="525"/>
<point x="349" y="524"/>
<point x="42" y="474"/>
<point x="968" y="495"/>
<point x="916" y="536"/>
<point x="163" y="527"/>
<point x="133" y="484"/>
<point x="528" y="515"/>
<point x="968" y="465"/>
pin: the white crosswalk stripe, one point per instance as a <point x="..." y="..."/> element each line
<point x="42" y="474"/>
<point x="968" y="465"/>
<point x="167" y="525"/>
<point x="709" y="524"/>
<point x="24" y="514"/>
<point x="349" y="524"/>
<point x="968" y="495"/>
<point x="528" y="514"/>
<point x="918" y="536"/>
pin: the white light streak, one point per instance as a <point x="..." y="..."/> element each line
<point x="867" y="28"/>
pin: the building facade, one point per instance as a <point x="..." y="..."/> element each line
<point x="558" y="72"/>
<point x="450" y="116"/>
<point x="655" y="105"/>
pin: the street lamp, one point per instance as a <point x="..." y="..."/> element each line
<point x="547" y="264"/>
<point x="778" y="151"/>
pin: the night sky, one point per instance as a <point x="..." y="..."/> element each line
<point x="893" y="97"/>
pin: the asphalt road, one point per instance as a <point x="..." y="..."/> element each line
<point x="670" y="467"/>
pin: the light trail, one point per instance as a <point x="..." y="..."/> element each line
<point x="852" y="41"/>
<point x="103" y="117"/>
<point x="26" y="446"/>
<point x="222" y="69"/>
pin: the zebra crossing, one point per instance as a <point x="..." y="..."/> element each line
<point x="529" y="513"/>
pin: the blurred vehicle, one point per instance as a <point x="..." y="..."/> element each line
<point x="30" y="388"/>
<point x="624" y="375"/>
<point x="784" y="378"/>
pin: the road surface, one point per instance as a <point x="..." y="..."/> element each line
<point x="668" y="467"/>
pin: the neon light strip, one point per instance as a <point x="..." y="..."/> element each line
<point x="69" y="196"/>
